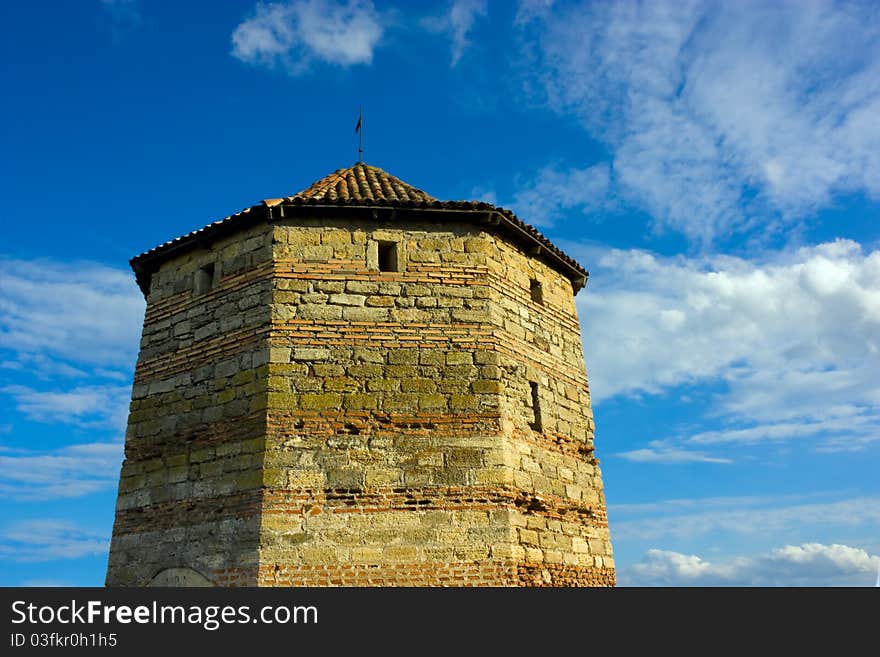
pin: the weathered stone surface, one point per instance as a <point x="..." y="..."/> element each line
<point x="309" y="353"/>
<point x="348" y="299"/>
<point x="311" y="420"/>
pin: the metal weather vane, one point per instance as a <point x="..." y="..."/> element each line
<point x="359" y="131"/>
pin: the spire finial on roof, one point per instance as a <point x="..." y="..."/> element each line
<point x="359" y="130"/>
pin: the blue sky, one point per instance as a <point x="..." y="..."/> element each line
<point x="716" y="167"/>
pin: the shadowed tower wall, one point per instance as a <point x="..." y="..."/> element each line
<point x="190" y="491"/>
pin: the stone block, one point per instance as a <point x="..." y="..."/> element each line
<point x="368" y="355"/>
<point x="310" y="354"/>
<point x="319" y="555"/>
<point x="487" y="387"/>
<point x="375" y="476"/>
<point x="403" y="356"/>
<point x="365" y="314"/>
<point x="341" y="384"/>
<point x="432" y="401"/>
<point x="359" y="402"/>
<point x="329" y="287"/>
<point x="459" y="402"/>
<point x="327" y="369"/>
<point x="470" y="316"/>
<point x="528" y="537"/>
<point x="459" y="358"/>
<point x="401" y="402"/>
<point x="478" y="245"/>
<point x="534" y="555"/>
<point x="292" y="285"/>
<point x="336" y="237"/>
<point x="383" y="385"/>
<point x="362" y="287"/>
<point x="401" y="553"/>
<point x="318" y="312"/>
<point x="344" y="478"/>
<point x="365" y="371"/>
<point x="315" y="253"/>
<point x="418" y="385"/>
<point x="320" y="402"/>
<point x="348" y="299"/>
<point x="301" y="236"/>
<point x="366" y="555"/>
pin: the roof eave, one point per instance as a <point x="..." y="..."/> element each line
<point x="146" y="264"/>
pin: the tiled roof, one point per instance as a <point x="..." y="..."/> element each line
<point x="361" y="183"/>
<point x="358" y="185"/>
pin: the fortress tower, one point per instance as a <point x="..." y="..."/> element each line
<point x="360" y="385"/>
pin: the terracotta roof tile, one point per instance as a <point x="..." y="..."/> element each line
<point x="358" y="185"/>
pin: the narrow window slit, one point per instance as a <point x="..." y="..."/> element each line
<point x="537" y="291"/>
<point x="388" y="256"/>
<point x="204" y="280"/>
<point x="536" y="408"/>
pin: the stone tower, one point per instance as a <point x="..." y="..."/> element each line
<point x="360" y="385"/>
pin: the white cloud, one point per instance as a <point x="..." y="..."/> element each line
<point x="296" y="33"/>
<point x="457" y="22"/>
<point x="70" y="471"/>
<point x="43" y="367"/>
<point x="85" y="313"/>
<point x="810" y="564"/>
<point x="50" y="540"/>
<point x="46" y="583"/>
<point x="721" y="117"/>
<point x="529" y="10"/>
<point x="794" y="341"/>
<point x="123" y="13"/>
<point x="684" y="505"/>
<point x="86" y="406"/>
<point x="682" y="519"/>
<point x="546" y="199"/>
<point x="663" y="454"/>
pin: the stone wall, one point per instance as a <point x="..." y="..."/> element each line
<point x="314" y="420"/>
<point x="383" y="414"/>
<point x="190" y="491"/>
<point x="399" y="449"/>
<point x="561" y="524"/>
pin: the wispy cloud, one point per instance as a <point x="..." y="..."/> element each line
<point x="85" y="313"/>
<point x="810" y="564"/>
<point x="680" y="520"/>
<point x="554" y="192"/>
<point x="123" y="16"/>
<point x="123" y="12"/>
<point x="529" y="10"/>
<point x="71" y="471"/>
<point x="793" y="341"/>
<point x="721" y="117"/>
<point x="85" y="406"/>
<point x="294" y="34"/>
<point x="44" y="583"/>
<point x="657" y="453"/>
<point x="50" y="540"/>
<point x="691" y="505"/>
<point x="457" y="22"/>
<point x="43" y="367"/>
